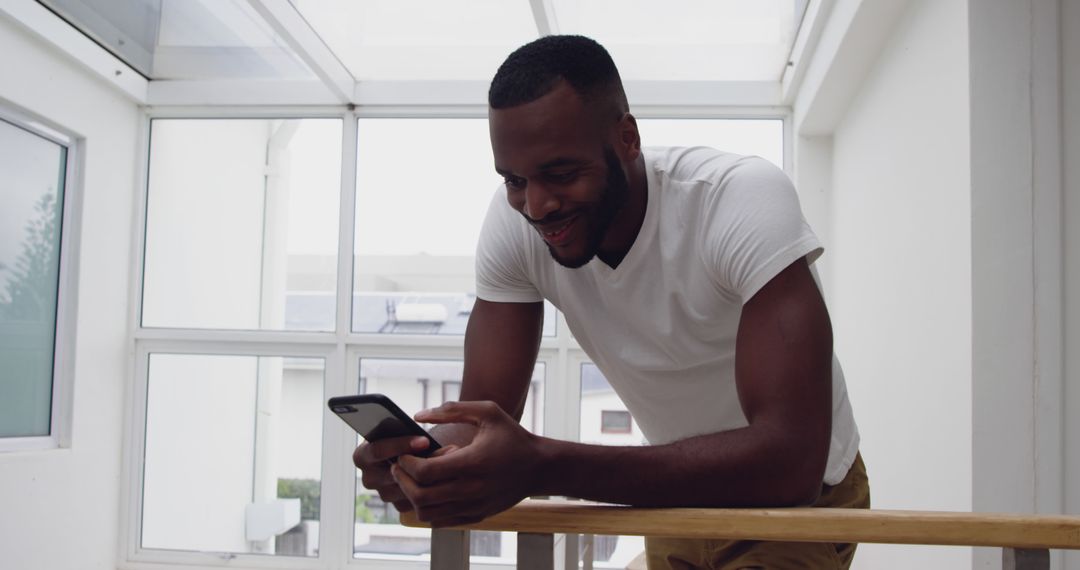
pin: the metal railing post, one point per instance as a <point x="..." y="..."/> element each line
<point x="1025" y="559"/>
<point x="449" y="549"/>
<point x="535" y="551"/>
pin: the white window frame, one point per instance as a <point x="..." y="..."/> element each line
<point x="67" y="292"/>
<point x="342" y="348"/>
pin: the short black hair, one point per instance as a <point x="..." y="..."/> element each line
<point x="534" y="69"/>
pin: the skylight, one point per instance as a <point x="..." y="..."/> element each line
<point x="434" y="40"/>
<point x="421" y="39"/>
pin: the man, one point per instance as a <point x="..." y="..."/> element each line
<point x="685" y="275"/>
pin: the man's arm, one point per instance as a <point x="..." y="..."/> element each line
<point x="501" y="344"/>
<point x="784" y="381"/>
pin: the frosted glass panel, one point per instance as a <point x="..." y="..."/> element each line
<point x="733" y="40"/>
<point x="31" y="212"/>
<point x="421" y="39"/>
<point x="186" y="39"/>
<point x="242" y="222"/>
<point x="233" y="454"/>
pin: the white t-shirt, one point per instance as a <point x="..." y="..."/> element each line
<point x="662" y="325"/>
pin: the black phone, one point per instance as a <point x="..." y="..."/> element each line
<point x="376" y="417"/>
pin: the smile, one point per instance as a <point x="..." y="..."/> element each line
<point x="557" y="235"/>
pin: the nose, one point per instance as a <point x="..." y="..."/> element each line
<point x="539" y="201"/>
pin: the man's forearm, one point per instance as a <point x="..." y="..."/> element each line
<point x="737" y="468"/>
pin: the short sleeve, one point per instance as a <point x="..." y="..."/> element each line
<point x="756" y="228"/>
<point x="502" y="255"/>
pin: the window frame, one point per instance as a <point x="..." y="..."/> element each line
<point x="342" y="348"/>
<point x="67" y="291"/>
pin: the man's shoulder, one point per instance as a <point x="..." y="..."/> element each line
<point x="692" y="163"/>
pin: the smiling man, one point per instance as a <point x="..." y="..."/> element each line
<point x="686" y="275"/>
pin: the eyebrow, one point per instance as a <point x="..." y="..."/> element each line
<point x="561" y="162"/>
<point x="549" y="165"/>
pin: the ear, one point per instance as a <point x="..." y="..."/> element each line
<point x="627" y="138"/>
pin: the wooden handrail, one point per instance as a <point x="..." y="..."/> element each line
<point x="796" y="524"/>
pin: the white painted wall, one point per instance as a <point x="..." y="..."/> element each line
<point x="899" y="272"/>
<point x="1070" y="35"/>
<point x="1017" y="260"/>
<point x="61" y="507"/>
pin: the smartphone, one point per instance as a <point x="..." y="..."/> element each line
<point x="376" y="417"/>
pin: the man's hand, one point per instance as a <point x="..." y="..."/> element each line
<point x="499" y="468"/>
<point x="374" y="460"/>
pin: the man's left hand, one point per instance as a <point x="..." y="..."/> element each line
<point x="499" y="468"/>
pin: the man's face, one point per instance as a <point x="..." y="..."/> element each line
<point x="560" y="172"/>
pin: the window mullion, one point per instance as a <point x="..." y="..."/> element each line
<point x="336" y="532"/>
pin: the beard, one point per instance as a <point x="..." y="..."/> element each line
<point x="600" y="215"/>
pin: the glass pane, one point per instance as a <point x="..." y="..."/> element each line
<point x="186" y="39"/>
<point x="421" y="39"/>
<point x="32" y="194"/>
<point x="418" y="218"/>
<point x="415" y="385"/>
<point x="605" y="421"/>
<point x="760" y="137"/>
<point x="734" y="40"/>
<point x="242" y="221"/>
<point x="233" y="454"/>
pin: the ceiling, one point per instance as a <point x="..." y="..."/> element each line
<point x="364" y="41"/>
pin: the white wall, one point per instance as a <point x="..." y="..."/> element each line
<point x="61" y="507"/>
<point x="1071" y="124"/>
<point x="899" y="272"/>
<point x="1017" y="260"/>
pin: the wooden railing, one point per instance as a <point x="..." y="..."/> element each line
<point x="1025" y="539"/>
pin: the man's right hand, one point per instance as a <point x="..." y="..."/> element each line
<point x="374" y="460"/>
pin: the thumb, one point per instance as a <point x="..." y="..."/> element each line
<point x="445" y="450"/>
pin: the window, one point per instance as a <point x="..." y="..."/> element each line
<point x="614" y="421"/>
<point x="418" y="217"/>
<point x="451" y="391"/>
<point x="233" y="454"/>
<point x="241" y="224"/>
<point x="35" y="167"/>
<point x="288" y="259"/>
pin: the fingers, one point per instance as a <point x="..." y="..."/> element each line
<point x="424" y="496"/>
<point x="453" y="463"/>
<point x="438" y="503"/>
<point x="387" y="449"/>
<point x="474" y="413"/>
<point x="373" y="460"/>
<point x="444" y="450"/>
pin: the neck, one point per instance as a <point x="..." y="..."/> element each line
<point x="624" y="229"/>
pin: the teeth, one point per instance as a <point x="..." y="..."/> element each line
<point x="561" y="228"/>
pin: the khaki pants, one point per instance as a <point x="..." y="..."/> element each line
<point x="687" y="554"/>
